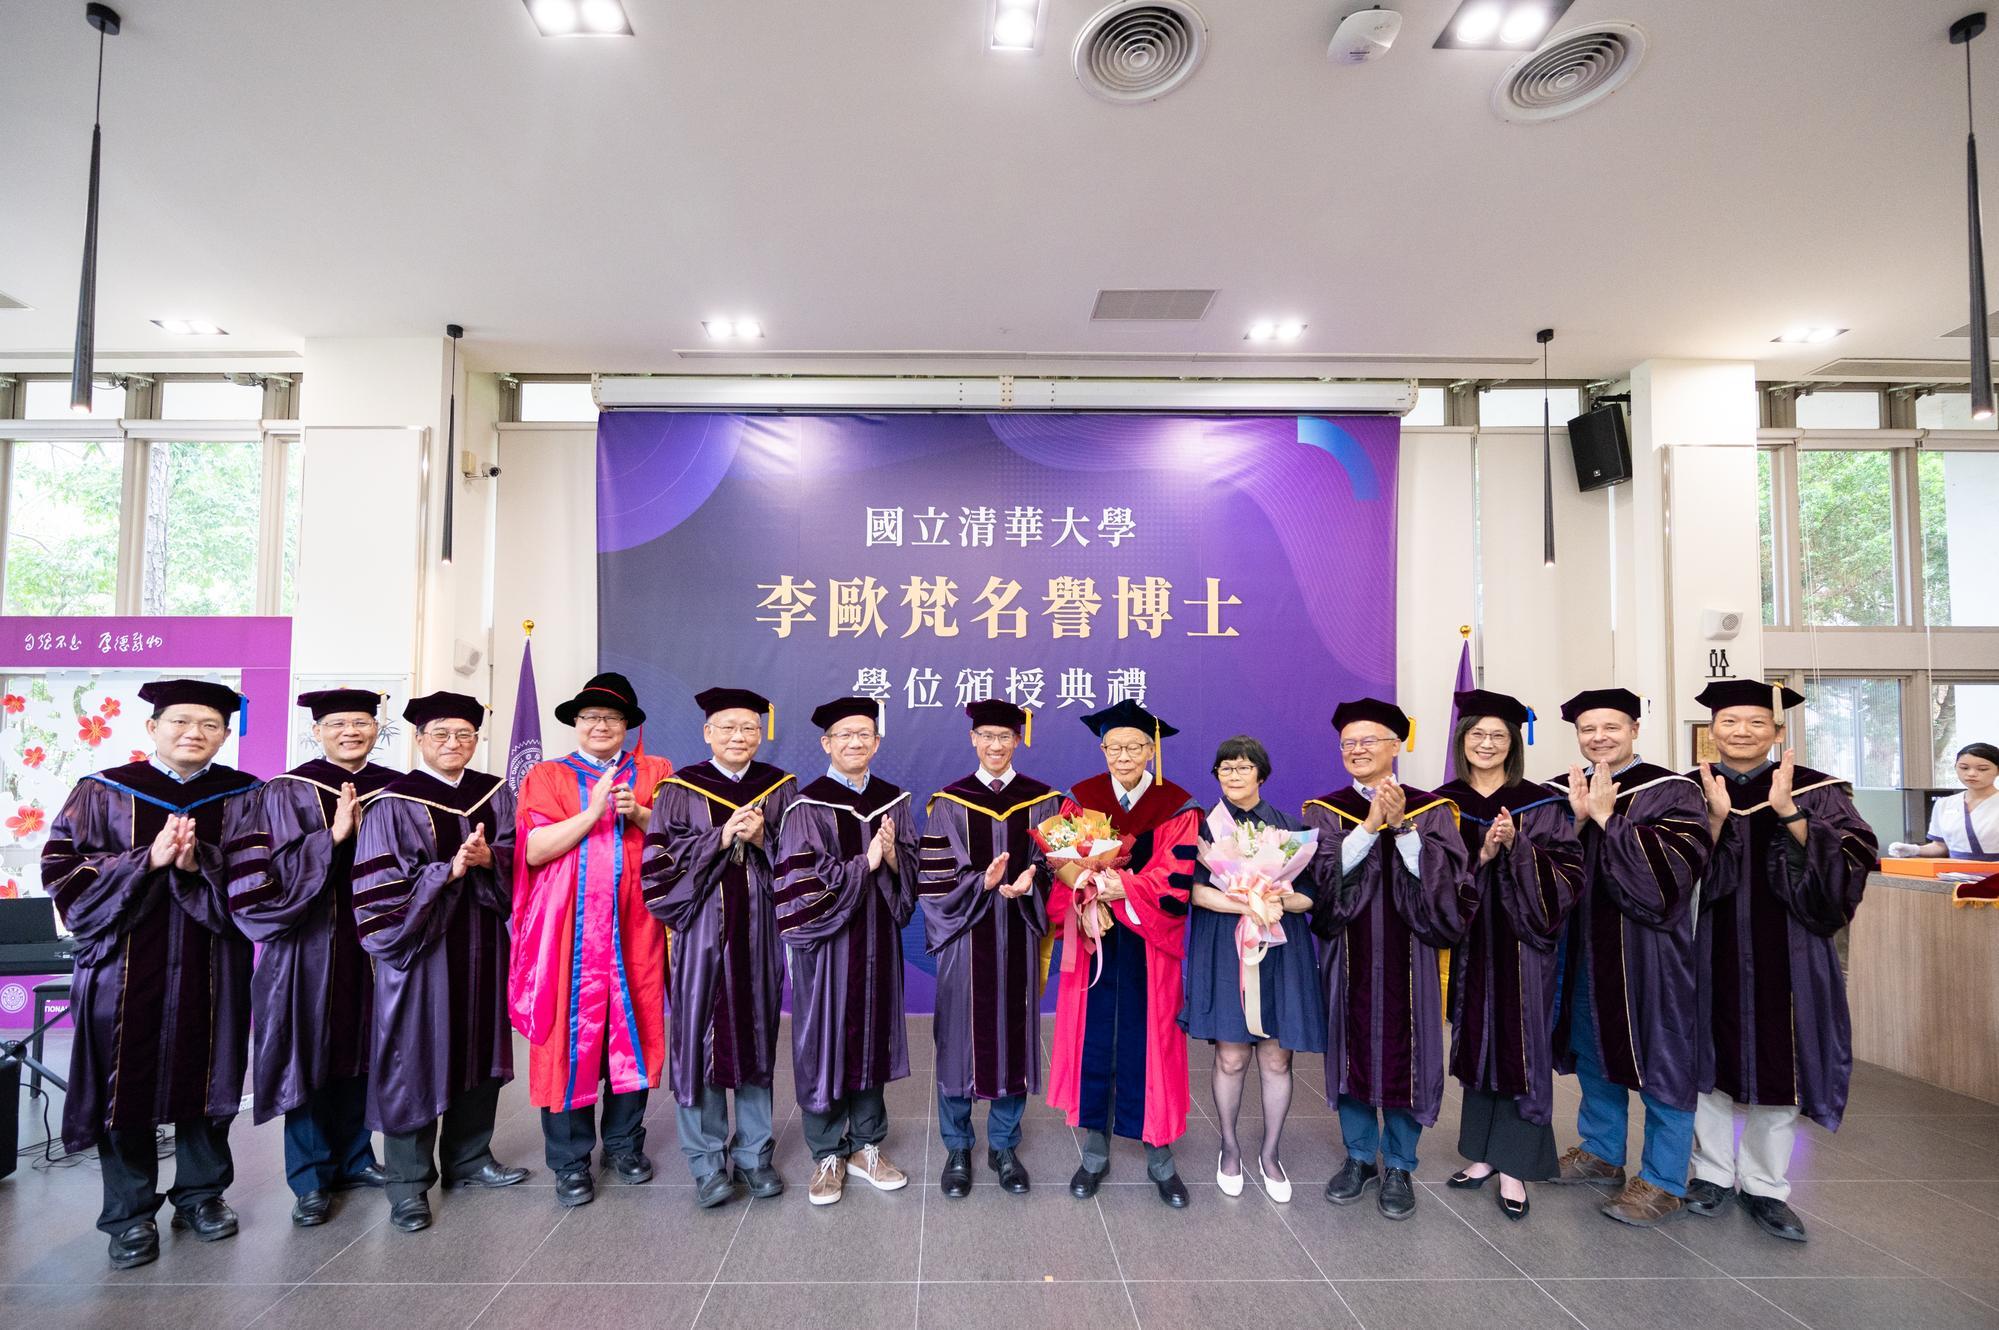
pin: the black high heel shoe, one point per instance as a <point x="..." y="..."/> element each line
<point x="1464" y="1181"/>
<point x="1512" y="1209"/>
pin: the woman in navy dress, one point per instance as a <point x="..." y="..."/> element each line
<point x="1293" y="1002"/>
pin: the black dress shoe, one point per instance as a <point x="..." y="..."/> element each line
<point x="632" y="1169"/>
<point x="714" y="1189"/>
<point x="574" y="1188"/>
<point x="411" y="1215"/>
<point x="138" y="1245"/>
<point x="1351" y="1182"/>
<point x="1398" y="1194"/>
<point x="374" y="1175"/>
<point x="956" y="1179"/>
<point x="1083" y="1184"/>
<point x="211" y="1220"/>
<point x="1774" y="1217"/>
<point x="1172" y="1190"/>
<point x="1012" y="1173"/>
<point x="763" y="1181"/>
<point x="1464" y="1181"/>
<point x="492" y="1173"/>
<point x="1705" y="1198"/>
<point x="312" y="1209"/>
<point x="1512" y="1209"/>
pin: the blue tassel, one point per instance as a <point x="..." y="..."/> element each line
<point x="1530" y="727"/>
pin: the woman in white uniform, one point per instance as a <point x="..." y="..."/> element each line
<point x="1963" y="826"/>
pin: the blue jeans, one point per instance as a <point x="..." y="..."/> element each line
<point x="326" y="1142"/>
<point x="1390" y="1132"/>
<point x="954" y="1120"/>
<point x="1606" y="1112"/>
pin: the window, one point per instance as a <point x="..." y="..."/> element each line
<point x="1839" y="410"/>
<point x="1960" y="713"/>
<point x="1853" y="730"/>
<point x="1947" y="411"/>
<point x="48" y="399"/>
<point x="557" y="401"/>
<point x="1846" y="525"/>
<point x="1766" y="535"/>
<point x="1959" y="495"/>
<point x="1429" y="408"/>
<point x="210" y="399"/>
<point x="1498" y="407"/>
<point x="202" y="502"/>
<point x="62" y="527"/>
<point x="294" y="509"/>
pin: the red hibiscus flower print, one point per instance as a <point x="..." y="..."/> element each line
<point x="33" y="757"/>
<point x="138" y="755"/>
<point x="110" y="706"/>
<point x="10" y="890"/>
<point x="92" y="730"/>
<point x="14" y="703"/>
<point x="26" y="822"/>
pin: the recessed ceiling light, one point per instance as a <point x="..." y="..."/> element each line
<point x="1500" y="25"/>
<point x="579" y="18"/>
<point x="190" y="327"/>
<point x="1015" y="24"/>
<point x="1261" y="331"/>
<point x="741" y="330"/>
<point x="1290" y="330"/>
<point x="1803" y="334"/>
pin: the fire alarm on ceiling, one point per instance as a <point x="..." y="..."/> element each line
<point x="1364" y="36"/>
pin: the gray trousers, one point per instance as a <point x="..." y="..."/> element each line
<point x="704" y="1130"/>
<point x="854" y="1121"/>
<point x="1097" y="1156"/>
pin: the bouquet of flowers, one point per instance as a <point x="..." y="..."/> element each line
<point x="1254" y="865"/>
<point x="1088" y="840"/>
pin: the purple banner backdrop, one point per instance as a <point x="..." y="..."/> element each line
<point x="1235" y="575"/>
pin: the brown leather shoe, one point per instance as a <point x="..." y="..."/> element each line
<point x="873" y="1165"/>
<point x="1643" y="1205"/>
<point x="829" y="1179"/>
<point x="1579" y="1165"/>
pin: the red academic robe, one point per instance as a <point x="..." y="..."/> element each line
<point x="1157" y="884"/>
<point x="604" y="1007"/>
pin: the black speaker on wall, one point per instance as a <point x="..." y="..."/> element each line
<point x="1602" y="447"/>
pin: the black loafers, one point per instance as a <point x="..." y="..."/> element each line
<point x="210" y="1220"/>
<point x="1463" y="1181"/>
<point x="411" y="1215"/>
<point x="374" y="1175"/>
<point x="1172" y="1190"/>
<point x="1083" y="1184"/>
<point x="138" y="1245"/>
<point x="956" y="1180"/>
<point x="1398" y="1194"/>
<point x="573" y="1189"/>
<point x="1012" y="1173"/>
<point x="631" y="1169"/>
<point x="1705" y="1198"/>
<point x="1514" y="1210"/>
<point x="492" y="1173"/>
<point x="312" y="1209"/>
<point x="714" y="1189"/>
<point x="763" y="1181"/>
<point x="1351" y="1182"/>
<point x="1774" y="1217"/>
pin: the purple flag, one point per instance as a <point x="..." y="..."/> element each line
<point x="524" y="749"/>
<point x="1462" y="685"/>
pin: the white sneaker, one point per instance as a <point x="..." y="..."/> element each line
<point x="1278" y="1189"/>
<point x="1231" y="1186"/>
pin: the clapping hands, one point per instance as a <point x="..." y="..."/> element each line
<point x="473" y="853"/>
<point x="1499" y="837"/>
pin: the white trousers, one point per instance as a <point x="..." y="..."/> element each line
<point x="1760" y="1165"/>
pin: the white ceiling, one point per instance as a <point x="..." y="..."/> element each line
<point x="865" y="177"/>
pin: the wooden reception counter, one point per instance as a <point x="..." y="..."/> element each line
<point x="1923" y="983"/>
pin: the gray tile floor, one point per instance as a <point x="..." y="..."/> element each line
<point x="1901" y="1205"/>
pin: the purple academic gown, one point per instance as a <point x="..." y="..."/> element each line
<point x="1774" y="1018"/>
<point x="1503" y="974"/>
<point x="1632" y="928"/>
<point x="291" y="890"/>
<point x="1383" y="928"/>
<point x="727" y="978"/>
<point x="161" y="993"/>
<point x="988" y="947"/>
<point x="440" y="946"/>
<point x="842" y="926"/>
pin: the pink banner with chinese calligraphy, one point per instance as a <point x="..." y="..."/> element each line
<point x="1232" y="574"/>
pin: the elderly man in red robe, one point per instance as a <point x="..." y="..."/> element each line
<point x="588" y="986"/>
<point x="1120" y="1058"/>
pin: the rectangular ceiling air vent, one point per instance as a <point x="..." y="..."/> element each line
<point x="1964" y="329"/>
<point x="1913" y="371"/>
<point x="1152" y="306"/>
<point x="8" y="302"/>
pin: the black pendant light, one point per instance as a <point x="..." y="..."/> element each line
<point x="1961" y="33"/>
<point x="1545" y="336"/>
<point x="105" y="19"/>
<point x="454" y="332"/>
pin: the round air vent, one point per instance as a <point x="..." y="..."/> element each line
<point x="1574" y="69"/>
<point x="1140" y="50"/>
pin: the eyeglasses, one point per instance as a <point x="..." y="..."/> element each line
<point x="338" y="726"/>
<point x="851" y="736"/>
<point x="194" y="723"/>
<point x="1236" y="769"/>
<point x="732" y="730"/>
<point x="1363" y="745"/>
<point x="594" y="718"/>
<point x="1125" y="750"/>
<point x="451" y="737"/>
<point x="995" y="736"/>
<point x="1485" y="736"/>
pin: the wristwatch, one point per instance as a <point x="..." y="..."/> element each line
<point x="1796" y="816"/>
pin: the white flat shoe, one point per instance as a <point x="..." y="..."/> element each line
<point x="1278" y="1189"/>
<point x="1231" y="1186"/>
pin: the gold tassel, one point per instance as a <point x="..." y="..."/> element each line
<point x="1777" y="702"/>
<point x="1158" y="752"/>
<point x="1410" y="742"/>
<point x="770" y="723"/>
<point x="1027" y="728"/>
